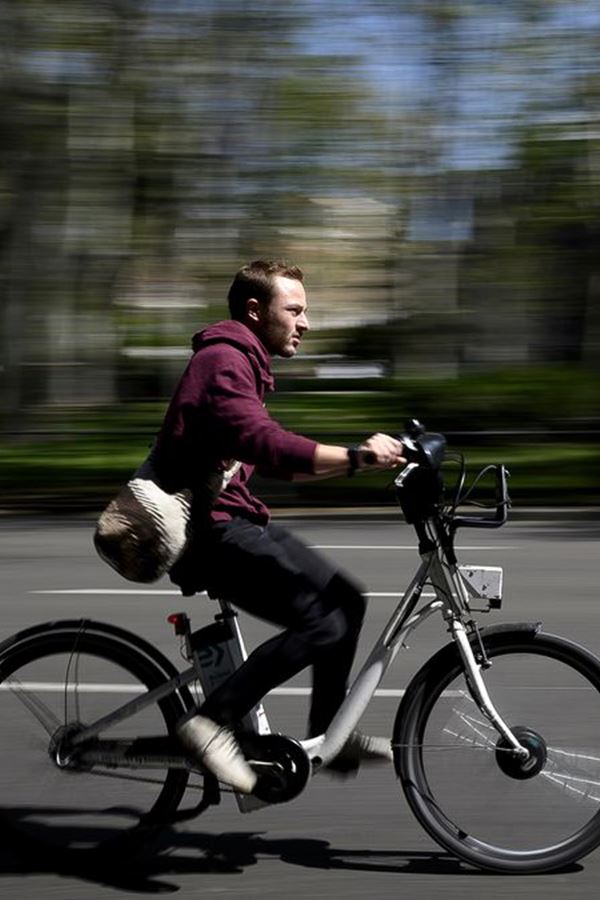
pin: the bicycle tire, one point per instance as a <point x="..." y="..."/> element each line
<point x="476" y="800"/>
<point x="44" y="684"/>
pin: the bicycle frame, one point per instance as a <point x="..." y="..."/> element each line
<point x="217" y="650"/>
<point x="231" y="653"/>
<point x="451" y="600"/>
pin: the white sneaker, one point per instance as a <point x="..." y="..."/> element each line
<point x="217" y="749"/>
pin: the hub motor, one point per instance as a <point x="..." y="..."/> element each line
<point x="520" y="767"/>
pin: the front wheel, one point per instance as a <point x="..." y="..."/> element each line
<point x="466" y="786"/>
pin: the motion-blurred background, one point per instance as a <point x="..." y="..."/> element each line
<point x="433" y="167"/>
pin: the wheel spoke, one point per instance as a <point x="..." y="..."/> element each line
<point x="40" y="710"/>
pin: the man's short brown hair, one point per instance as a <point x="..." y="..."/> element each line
<point x="257" y="279"/>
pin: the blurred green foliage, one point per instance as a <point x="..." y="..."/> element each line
<point x="77" y="461"/>
<point x="516" y="399"/>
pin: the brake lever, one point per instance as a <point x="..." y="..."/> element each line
<point x="403" y="475"/>
<point x="410" y="449"/>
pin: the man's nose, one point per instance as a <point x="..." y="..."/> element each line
<point x="303" y="323"/>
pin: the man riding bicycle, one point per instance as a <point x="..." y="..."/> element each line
<point x="216" y="417"/>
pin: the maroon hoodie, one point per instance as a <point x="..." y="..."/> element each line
<point x="217" y="415"/>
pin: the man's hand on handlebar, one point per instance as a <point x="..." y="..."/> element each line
<point x="380" y="451"/>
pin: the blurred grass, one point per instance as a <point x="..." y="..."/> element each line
<point x="82" y="471"/>
<point x="75" y="458"/>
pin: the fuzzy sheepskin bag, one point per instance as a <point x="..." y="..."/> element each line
<point x="144" y="530"/>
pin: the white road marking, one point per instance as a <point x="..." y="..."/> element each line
<point x="52" y="687"/>
<point x="168" y="593"/>
<point x="115" y="592"/>
<point x="406" y="547"/>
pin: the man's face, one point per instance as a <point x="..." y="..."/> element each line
<point x="281" y="323"/>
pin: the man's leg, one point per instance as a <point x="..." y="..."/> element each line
<point x="344" y="599"/>
<point x="272" y="575"/>
<point x="269" y="573"/>
<point x="332" y="670"/>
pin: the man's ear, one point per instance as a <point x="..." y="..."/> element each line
<point x="253" y="309"/>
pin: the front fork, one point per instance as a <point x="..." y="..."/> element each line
<point x="478" y="689"/>
<point x="450" y="590"/>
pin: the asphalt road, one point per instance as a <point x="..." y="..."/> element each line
<point x="349" y="839"/>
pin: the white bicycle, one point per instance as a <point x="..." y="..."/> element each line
<point x="495" y="741"/>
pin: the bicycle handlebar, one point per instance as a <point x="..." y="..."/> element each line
<point x="502" y="503"/>
<point x="427" y="450"/>
<point x="420" y="485"/>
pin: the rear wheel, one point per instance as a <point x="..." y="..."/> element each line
<point x="51" y="685"/>
<point x="465" y="784"/>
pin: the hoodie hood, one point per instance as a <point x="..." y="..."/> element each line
<point x="238" y="335"/>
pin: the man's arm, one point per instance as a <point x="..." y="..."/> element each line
<point x="251" y="435"/>
<point x="241" y="426"/>
<point x="380" y="451"/>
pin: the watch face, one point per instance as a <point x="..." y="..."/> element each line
<point x="353" y="459"/>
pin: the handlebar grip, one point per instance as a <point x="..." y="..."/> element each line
<point x="369" y="458"/>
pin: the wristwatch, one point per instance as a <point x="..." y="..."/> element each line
<point x="353" y="460"/>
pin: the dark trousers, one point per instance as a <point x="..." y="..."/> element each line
<point x="268" y="572"/>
